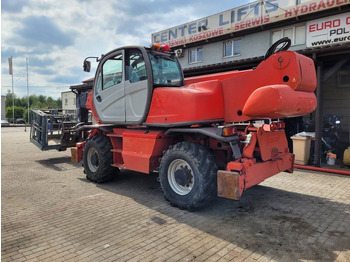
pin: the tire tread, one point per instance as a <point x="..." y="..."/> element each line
<point x="205" y="163"/>
<point x="106" y="171"/>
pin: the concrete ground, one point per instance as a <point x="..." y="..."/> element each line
<point x="50" y="212"/>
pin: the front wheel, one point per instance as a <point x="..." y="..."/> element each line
<point x="187" y="175"/>
<point x="98" y="159"/>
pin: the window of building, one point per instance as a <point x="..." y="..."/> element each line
<point x="66" y="101"/>
<point x="232" y="48"/>
<point x="196" y="55"/>
<point x="296" y="34"/>
<point x="300" y="35"/>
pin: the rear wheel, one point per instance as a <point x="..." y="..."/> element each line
<point x="188" y="175"/>
<point x="98" y="159"/>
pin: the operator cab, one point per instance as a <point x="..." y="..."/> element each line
<point x="166" y="70"/>
<point x="125" y="79"/>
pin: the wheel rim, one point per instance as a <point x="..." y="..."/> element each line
<point x="92" y="159"/>
<point x="180" y="177"/>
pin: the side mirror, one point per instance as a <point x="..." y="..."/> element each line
<point x="87" y="66"/>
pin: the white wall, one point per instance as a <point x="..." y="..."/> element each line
<point x="68" y="101"/>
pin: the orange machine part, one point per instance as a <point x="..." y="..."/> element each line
<point x="138" y="149"/>
<point x="283" y="77"/>
<point x="246" y="172"/>
<point x="279" y="101"/>
<point x="280" y="87"/>
<point x="217" y="76"/>
<point x="272" y="144"/>
<point x="196" y="102"/>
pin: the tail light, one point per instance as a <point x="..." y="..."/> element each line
<point x="277" y="126"/>
<point x="281" y="125"/>
<point x="227" y="130"/>
<point x="273" y="126"/>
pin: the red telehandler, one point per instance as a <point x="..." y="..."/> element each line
<point x="198" y="133"/>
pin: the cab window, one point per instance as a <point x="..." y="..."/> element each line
<point x="135" y="68"/>
<point x="98" y="84"/>
<point x="166" y="70"/>
<point x="112" y="71"/>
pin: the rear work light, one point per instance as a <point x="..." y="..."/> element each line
<point x="159" y="47"/>
<point x="164" y="48"/>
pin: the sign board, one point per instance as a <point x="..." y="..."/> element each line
<point x="254" y="14"/>
<point x="328" y="31"/>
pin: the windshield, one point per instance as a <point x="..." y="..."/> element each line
<point x="166" y="70"/>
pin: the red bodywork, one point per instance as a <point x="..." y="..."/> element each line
<point x="281" y="86"/>
<point x="267" y="154"/>
<point x="138" y="150"/>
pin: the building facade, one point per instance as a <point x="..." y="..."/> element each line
<point x="238" y="39"/>
<point x="68" y="103"/>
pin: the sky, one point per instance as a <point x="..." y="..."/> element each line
<point x="55" y="36"/>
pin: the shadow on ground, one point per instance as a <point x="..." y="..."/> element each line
<point x="58" y="163"/>
<point x="285" y="225"/>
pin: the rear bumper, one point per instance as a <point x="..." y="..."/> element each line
<point x="245" y="173"/>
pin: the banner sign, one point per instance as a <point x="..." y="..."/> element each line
<point x="254" y="14"/>
<point x="328" y="31"/>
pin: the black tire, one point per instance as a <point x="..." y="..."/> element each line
<point x="98" y="159"/>
<point x="187" y="175"/>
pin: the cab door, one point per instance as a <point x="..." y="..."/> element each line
<point x="109" y="91"/>
<point x="136" y="86"/>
